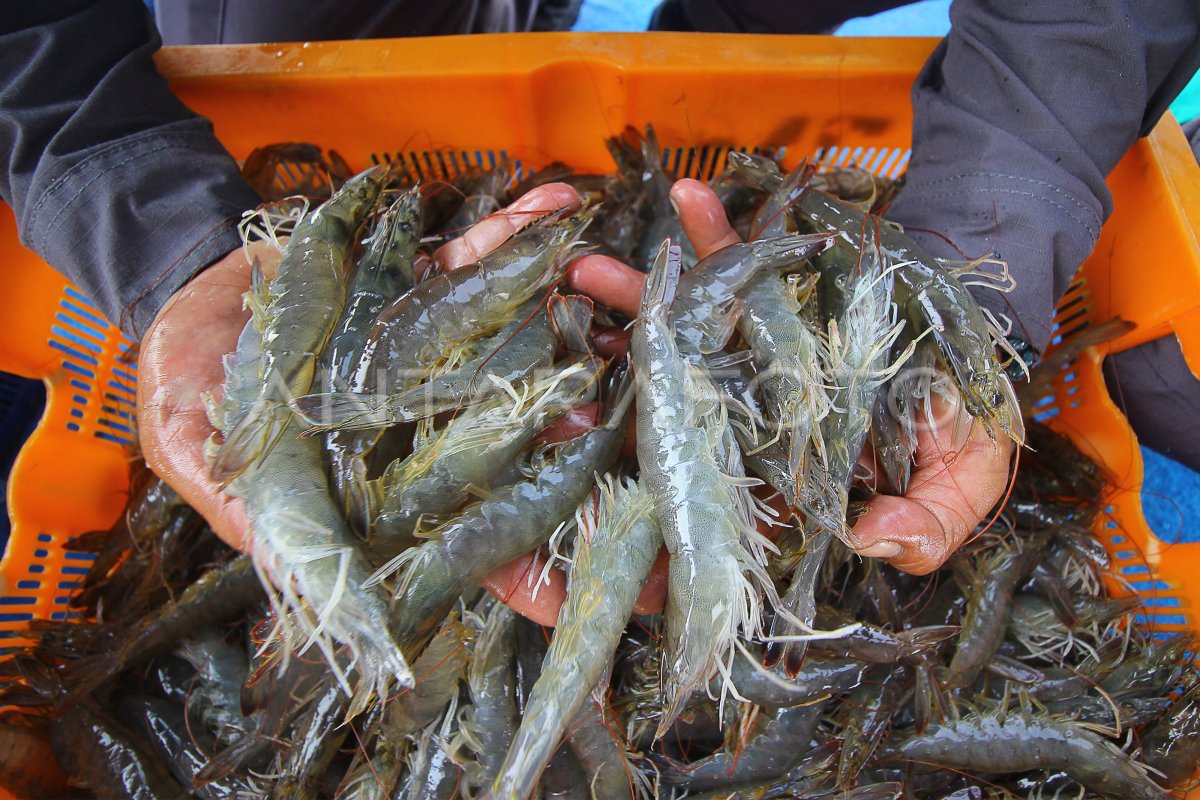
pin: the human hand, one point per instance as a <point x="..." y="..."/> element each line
<point x="615" y="284"/>
<point x="959" y="474"/>
<point x="180" y="359"/>
<point x="182" y="351"/>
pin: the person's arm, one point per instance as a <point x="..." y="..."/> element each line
<point x="1019" y="115"/>
<point x="114" y="182"/>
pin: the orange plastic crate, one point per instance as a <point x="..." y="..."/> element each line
<point x="441" y="104"/>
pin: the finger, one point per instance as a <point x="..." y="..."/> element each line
<point x="959" y="475"/>
<point x="514" y="584"/>
<point x="421" y="266"/>
<point x="653" y="596"/>
<point x="618" y="286"/>
<point x="492" y="231"/>
<point x="608" y="281"/>
<point x="579" y="419"/>
<point x="703" y="217"/>
<point x="612" y="342"/>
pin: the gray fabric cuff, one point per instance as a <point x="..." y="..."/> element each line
<point x="135" y="220"/>
<point x="1018" y="116"/>
<point x="1039" y="227"/>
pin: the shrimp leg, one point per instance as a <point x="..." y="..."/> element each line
<point x="858" y="348"/>
<point x="930" y="297"/>
<point x="435" y="479"/>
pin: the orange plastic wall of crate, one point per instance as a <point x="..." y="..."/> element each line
<point x="544" y="97"/>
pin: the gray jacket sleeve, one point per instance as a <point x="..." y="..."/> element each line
<point x="113" y="181"/>
<point x="1019" y="115"/>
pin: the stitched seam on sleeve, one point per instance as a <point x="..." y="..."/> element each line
<point x="147" y="292"/>
<point x="64" y="181"/>
<point x="1044" y="184"/>
<point x="1091" y="229"/>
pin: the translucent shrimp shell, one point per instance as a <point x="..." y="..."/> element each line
<point x="704" y="513"/>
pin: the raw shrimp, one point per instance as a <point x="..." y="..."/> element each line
<point x="1172" y="744"/>
<point x="110" y="760"/>
<point x="857" y="351"/>
<point x="704" y="512"/>
<point x="221" y="594"/>
<point x="786" y="349"/>
<point x="384" y="272"/>
<point x="302" y="546"/>
<point x="1020" y="741"/>
<point x="988" y="607"/>
<point x="517" y="351"/>
<point x="875" y="645"/>
<point x="491" y="721"/>
<point x="407" y="719"/>
<point x="296" y="314"/>
<point x="931" y="298"/>
<point x="639" y="163"/>
<point x="221" y="669"/>
<point x="318" y="735"/>
<point x="704" y="308"/>
<point x="439" y="669"/>
<point x="484" y="198"/>
<point x="422" y="327"/>
<point x="511" y="522"/>
<point x="779" y="743"/>
<point x="616" y="544"/>
<point x="594" y="738"/>
<point x="185" y="750"/>
<point x="436" y="478"/>
<point x="432" y="773"/>
<point x="819" y="677"/>
<point x="864" y="719"/>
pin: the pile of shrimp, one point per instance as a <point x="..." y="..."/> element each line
<point x="403" y="432"/>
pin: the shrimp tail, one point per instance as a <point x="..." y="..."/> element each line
<point x="571" y="320"/>
<point x="800" y="602"/>
<point x="663" y="280"/>
<point x="250" y="440"/>
<point x="611" y="562"/>
<point x="701" y="650"/>
<point x="755" y="170"/>
<point x="623" y="391"/>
